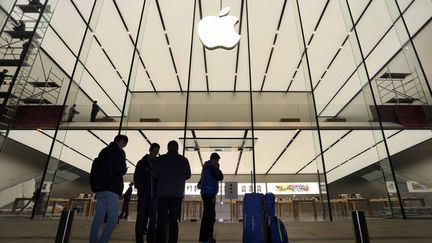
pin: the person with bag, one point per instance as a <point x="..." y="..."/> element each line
<point x="106" y="180"/>
<point x="209" y="185"/>
<point x="146" y="186"/>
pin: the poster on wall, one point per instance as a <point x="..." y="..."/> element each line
<point x="391" y="187"/>
<point x="293" y="188"/>
<point x="191" y="189"/>
<point x="414" y="186"/>
<point x="244" y="188"/>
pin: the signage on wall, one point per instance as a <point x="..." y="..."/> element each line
<point x="231" y="190"/>
<point x="244" y="188"/>
<point x="218" y="31"/>
<point x="293" y="188"/>
<point x="414" y="186"/>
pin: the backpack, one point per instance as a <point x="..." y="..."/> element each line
<point x="277" y="231"/>
<point x="99" y="175"/>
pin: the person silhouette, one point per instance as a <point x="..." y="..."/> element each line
<point x="94" y="111"/>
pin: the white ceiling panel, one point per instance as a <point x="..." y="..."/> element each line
<point x="141" y="82"/>
<point x="383" y="52"/>
<point x="84" y="6"/>
<point x="310" y="12"/>
<point x="66" y="14"/>
<point x="266" y="155"/>
<point x="300" y="152"/>
<point x="178" y="16"/>
<point x="328" y="137"/>
<point x="137" y="146"/>
<point x="59" y="52"/>
<point x="341" y="69"/>
<point x="194" y="161"/>
<point x="114" y="38"/>
<point x="406" y="139"/>
<point x="102" y="70"/>
<point x="131" y="15"/>
<point x="262" y="34"/>
<point x="300" y="83"/>
<point x="327" y="40"/>
<point x="375" y="22"/>
<point x="84" y="142"/>
<point x="342" y="98"/>
<point x="155" y="53"/>
<point x="286" y="54"/>
<point x="33" y="139"/>
<point x="246" y="164"/>
<point x="357" y="8"/>
<point x="417" y="15"/>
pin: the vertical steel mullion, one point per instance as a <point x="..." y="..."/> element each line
<point x="189" y="79"/>
<point x="251" y="98"/>
<point x="315" y="113"/>
<point x="378" y="114"/>
<point x="131" y="68"/>
<point x="64" y="106"/>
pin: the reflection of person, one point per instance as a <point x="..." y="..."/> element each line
<point x="108" y="185"/>
<point x="146" y="185"/>
<point x="72" y="112"/>
<point x="94" y="111"/>
<point x="171" y="171"/>
<point x="126" y="199"/>
<point x="210" y="177"/>
<point x="3" y="75"/>
<point x="20" y="26"/>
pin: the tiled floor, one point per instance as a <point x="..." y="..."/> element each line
<point x="380" y="230"/>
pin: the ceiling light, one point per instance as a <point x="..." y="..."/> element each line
<point x="128" y="32"/>
<point x="349" y="33"/>
<point x="92" y="33"/>
<point x="313" y="32"/>
<point x="326" y="69"/>
<point x="273" y="46"/>
<point x="165" y="32"/>
<point x="169" y="46"/>
<point x="340" y="47"/>
<point x="277" y="31"/>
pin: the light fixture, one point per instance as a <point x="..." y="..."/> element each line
<point x="340" y="47"/>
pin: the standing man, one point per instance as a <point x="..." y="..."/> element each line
<point x="106" y="180"/>
<point x="126" y="199"/>
<point x="209" y="185"/>
<point x="171" y="171"/>
<point x="94" y="111"/>
<point x="72" y="112"/>
<point x="146" y="185"/>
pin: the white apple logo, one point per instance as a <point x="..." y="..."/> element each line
<point x="216" y="32"/>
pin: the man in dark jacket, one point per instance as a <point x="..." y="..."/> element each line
<point x="126" y="199"/>
<point x="94" y="111"/>
<point x="146" y="186"/>
<point x="111" y="162"/>
<point x="171" y="172"/>
<point x="209" y="185"/>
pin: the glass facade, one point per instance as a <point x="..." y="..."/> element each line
<point x="327" y="105"/>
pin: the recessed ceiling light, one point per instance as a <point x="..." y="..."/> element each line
<point x="349" y="33"/>
<point x="340" y="47"/>
<point x="277" y="31"/>
<point x="313" y="32"/>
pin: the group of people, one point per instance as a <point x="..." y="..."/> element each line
<point x="73" y="111"/>
<point x="160" y="181"/>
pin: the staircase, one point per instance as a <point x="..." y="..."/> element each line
<point x="20" y="39"/>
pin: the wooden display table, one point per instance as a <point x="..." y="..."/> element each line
<point x="297" y="206"/>
<point x="405" y="200"/>
<point x="279" y="207"/>
<point x="193" y="204"/>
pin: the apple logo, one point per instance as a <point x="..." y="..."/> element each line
<point x="216" y="32"/>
